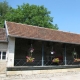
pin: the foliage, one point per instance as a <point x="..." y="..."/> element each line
<point x="76" y="60"/>
<point x="4" y="8"/>
<point x="28" y="14"/>
<point x="30" y="59"/>
<point x="32" y="15"/>
<point x="74" y="54"/>
<point x="55" y="60"/>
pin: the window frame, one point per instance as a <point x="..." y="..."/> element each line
<point x="1" y="56"/>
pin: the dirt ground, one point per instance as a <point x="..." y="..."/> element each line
<point x="57" y="76"/>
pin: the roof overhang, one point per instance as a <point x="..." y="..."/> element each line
<point x="42" y="39"/>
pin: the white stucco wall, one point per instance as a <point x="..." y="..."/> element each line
<point x="3" y="46"/>
<point x="10" y="52"/>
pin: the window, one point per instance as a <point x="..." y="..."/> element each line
<point x="2" y="55"/>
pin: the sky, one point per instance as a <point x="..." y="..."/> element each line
<point x="65" y="13"/>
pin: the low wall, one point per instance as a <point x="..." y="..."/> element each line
<point x="52" y="71"/>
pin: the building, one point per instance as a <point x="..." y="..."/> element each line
<point x="20" y="40"/>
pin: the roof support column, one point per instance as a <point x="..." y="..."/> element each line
<point x="42" y="53"/>
<point x="65" y="61"/>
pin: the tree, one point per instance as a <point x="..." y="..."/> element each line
<point x="4" y="8"/>
<point x="32" y="15"/>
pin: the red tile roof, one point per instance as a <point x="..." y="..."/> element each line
<point x="3" y="35"/>
<point x="34" y="32"/>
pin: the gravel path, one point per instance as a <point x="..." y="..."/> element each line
<point x="57" y="76"/>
